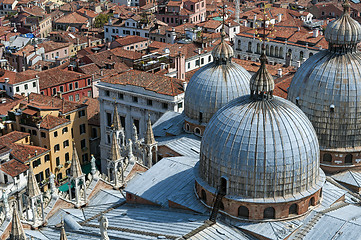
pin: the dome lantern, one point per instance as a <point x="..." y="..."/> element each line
<point x="343" y="34"/>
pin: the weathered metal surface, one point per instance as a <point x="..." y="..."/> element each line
<point x="327" y="87"/>
<point x="266" y="149"/>
<point x="213" y="86"/>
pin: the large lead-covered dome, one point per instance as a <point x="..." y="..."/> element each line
<point x="214" y="85"/>
<point x="264" y="146"/>
<point x="266" y="149"/>
<point x="327" y="87"/>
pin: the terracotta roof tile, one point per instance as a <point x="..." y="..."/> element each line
<point x="50" y="122"/>
<point x="13" y="168"/>
<point x="130" y="39"/>
<point x="149" y="81"/>
<point x="23" y="152"/>
<point x="13" y="137"/>
<point x="73" y="17"/>
<point x="50" y="46"/>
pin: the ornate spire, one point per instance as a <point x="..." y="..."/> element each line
<point x="75" y="168"/>
<point x="115" y="149"/>
<point x="261" y="83"/>
<point x="222" y="53"/>
<point x="62" y="232"/>
<point x="117" y="125"/>
<point x="17" y="230"/>
<point x="33" y="187"/>
<point x="149" y="136"/>
<point x="346" y="7"/>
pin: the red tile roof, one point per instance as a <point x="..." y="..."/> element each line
<point x="130" y="39"/>
<point x="149" y="81"/>
<point x="13" y="168"/>
<point x="73" y="17"/>
<point x="13" y="137"/>
<point x="15" y="77"/>
<point x="50" y="46"/>
<point x="50" y="122"/>
<point x="41" y="101"/>
<point x="282" y="84"/>
<point x="23" y="152"/>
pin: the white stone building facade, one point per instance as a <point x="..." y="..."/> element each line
<point x="134" y="104"/>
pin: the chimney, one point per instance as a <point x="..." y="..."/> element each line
<point x="279" y="17"/>
<point x="315" y="33"/>
<point x="185" y="86"/>
<point x="279" y="71"/>
<point x="60" y="95"/>
<point x="199" y="50"/>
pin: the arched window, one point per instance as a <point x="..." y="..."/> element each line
<point x="249" y="46"/>
<point x="348" y="159"/>
<point x="200" y="116"/>
<point x="276" y="52"/>
<point x="243" y="212"/>
<point x="221" y="206"/>
<point x="223" y="186"/>
<point x="281" y="53"/>
<point x="301" y="56"/>
<point x="269" y="213"/>
<point x="187" y="127"/>
<point x="267" y="50"/>
<point x="310" y="55"/>
<point x="312" y="202"/>
<point x="239" y="44"/>
<point x="258" y="48"/>
<point x="272" y="52"/>
<point x="197" y="131"/>
<point x="327" y="157"/>
<point x="293" y="209"/>
<point x="204" y="196"/>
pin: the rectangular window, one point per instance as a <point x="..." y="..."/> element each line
<point x="189" y="65"/>
<point x="17" y="89"/>
<point x="64" y="130"/>
<point x="83" y="144"/>
<point x="33" y="132"/>
<point x="107" y="93"/>
<point x="34" y="84"/>
<point x="89" y="93"/>
<point x="136" y="123"/>
<point x="109" y="119"/>
<point x="82" y="128"/>
<point x="47" y="158"/>
<point x="70" y="86"/>
<point x="84" y="157"/>
<point x="94" y="133"/>
<point x="120" y="96"/>
<point x="149" y="102"/>
<point x="47" y="173"/>
<point x="202" y="60"/>
<point x="165" y="105"/>
<point x="26" y="86"/>
<point x="71" y="98"/>
<point x="81" y="113"/>
<point x="56" y="148"/>
<point x="66" y="143"/>
<point x="67" y="157"/>
<point x="122" y="120"/>
<point x="76" y="97"/>
<point x="54" y="91"/>
<point x="197" y="62"/>
<point x="180" y="105"/>
<point x="61" y="89"/>
<point x="76" y="84"/>
<point x="57" y="161"/>
<point x="55" y="133"/>
<point x="209" y="58"/>
<point x="89" y="81"/>
<point x="135" y="99"/>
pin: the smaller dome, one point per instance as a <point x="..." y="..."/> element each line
<point x="222" y="52"/>
<point x="345" y="30"/>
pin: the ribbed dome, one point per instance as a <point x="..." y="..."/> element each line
<point x="213" y="86"/>
<point x="327" y="88"/>
<point x="222" y="52"/>
<point x="345" y="30"/>
<point x="265" y="148"/>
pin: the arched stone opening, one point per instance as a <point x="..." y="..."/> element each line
<point x="243" y="212"/>
<point x="269" y="213"/>
<point x="327" y="157"/>
<point x="223" y="186"/>
<point x="187" y="127"/>
<point x="204" y="196"/>
<point x="348" y="159"/>
<point x="312" y="202"/>
<point x="293" y="210"/>
<point x="197" y="131"/>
